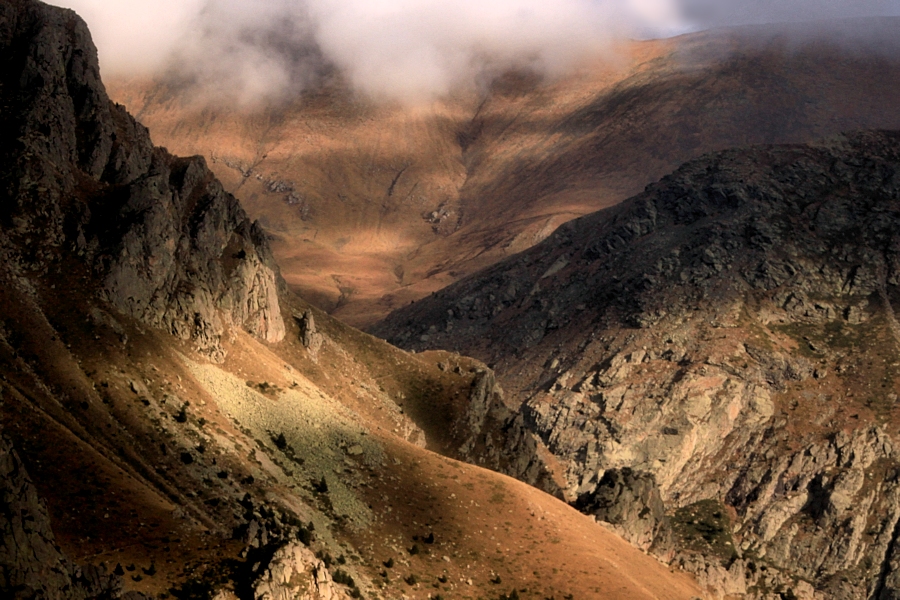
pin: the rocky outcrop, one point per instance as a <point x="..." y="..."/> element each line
<point x="294" y="573"/>
<point x="78" y="176"/>
<point x="630" y="502"/>
<point x="310" y="337"/>
<point x="723" y="344"/>
<point x="31" y="564"/>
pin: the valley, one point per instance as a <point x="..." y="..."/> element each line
<point x="177" y="424"/>
<point x="372" y="206"/>
<point x="629" y="331"/>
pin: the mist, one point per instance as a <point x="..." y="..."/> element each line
<point x="249" y="51"/>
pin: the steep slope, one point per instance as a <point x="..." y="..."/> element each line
<point x="196" y="430"/>
<point x="372" y="206"/>
<point x="79" y="174"/>
<point x="31" y="564"/>
<point x="711" y="366"/>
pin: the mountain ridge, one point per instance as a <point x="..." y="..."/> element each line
<point x="394" y="203"/>
<point x="189" y="427"/>
<point x="708" y="366"/>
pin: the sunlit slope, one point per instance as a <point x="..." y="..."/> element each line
<point x="372" y="206"/>
<point x="148" y="455"/>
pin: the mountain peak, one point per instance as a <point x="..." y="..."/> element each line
<point x="171" y="247"/>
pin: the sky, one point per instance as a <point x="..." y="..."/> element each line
<point x="246" y="51"/>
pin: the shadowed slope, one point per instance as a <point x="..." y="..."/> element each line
<point x="198" y="431"/>
<point x="374" y="206"/>
<point x="710" y="366"/>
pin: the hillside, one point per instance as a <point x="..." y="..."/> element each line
<point x="176" y="423"/>
<point x="710" y="366"/>
<point x="371" y="206"/>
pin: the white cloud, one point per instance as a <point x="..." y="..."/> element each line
<point x="136" y="34"/>
<point x="410" y="49"/>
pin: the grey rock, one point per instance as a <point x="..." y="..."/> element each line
<point x="630" y="502"/>
<point x="294" y="573"/>
<point x="310" y="337"/>
<point x="171" y="247"/>
<point x="669" y="337"/>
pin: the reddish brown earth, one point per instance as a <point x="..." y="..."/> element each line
<point x="372" y="205"/>
<point x="93" y="448"/>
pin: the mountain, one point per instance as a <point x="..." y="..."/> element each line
<point x="177" y="424"/>
<point x="710" y="366"/>
<point x="373" y="205"/>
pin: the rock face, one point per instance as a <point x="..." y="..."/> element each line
<point x="171" y="248"/>
<point x="475" y="178"/>
<point x="31" y="564"/>
<point x="146" y="452"/>
<point x="710" y="367"/>
<point x="309" y="335"/>
<point x="295" y="573"/>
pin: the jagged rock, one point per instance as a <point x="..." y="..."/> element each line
<point x="485" y="397"/>
<point x="171" y="247"/>
<point x="710" y="333"/>
<point x="294" y="573"/>
<point x="630" y="502"/>
<point x="310" y="337"/>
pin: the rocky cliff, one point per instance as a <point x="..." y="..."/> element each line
<point x="711" y="367"/>
<point x="78" y="174"/>
<point x="295" y="469"/>
<point x="395" y="203"/>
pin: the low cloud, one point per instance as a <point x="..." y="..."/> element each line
<point x="413" y="50"/>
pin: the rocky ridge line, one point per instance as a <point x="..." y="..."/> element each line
<point x="709" y="367"/>
<point x="169" y="245"/>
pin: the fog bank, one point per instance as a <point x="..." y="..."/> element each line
<point x="412" y="50"/>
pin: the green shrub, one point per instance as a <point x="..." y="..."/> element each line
<point x="342" y="577"/>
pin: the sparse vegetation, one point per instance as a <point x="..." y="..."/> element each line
<point x="305" y="535"/>
<point x="342" y="577"/>
<point x="325" y="557"/>
<point x="705" y="527"/>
